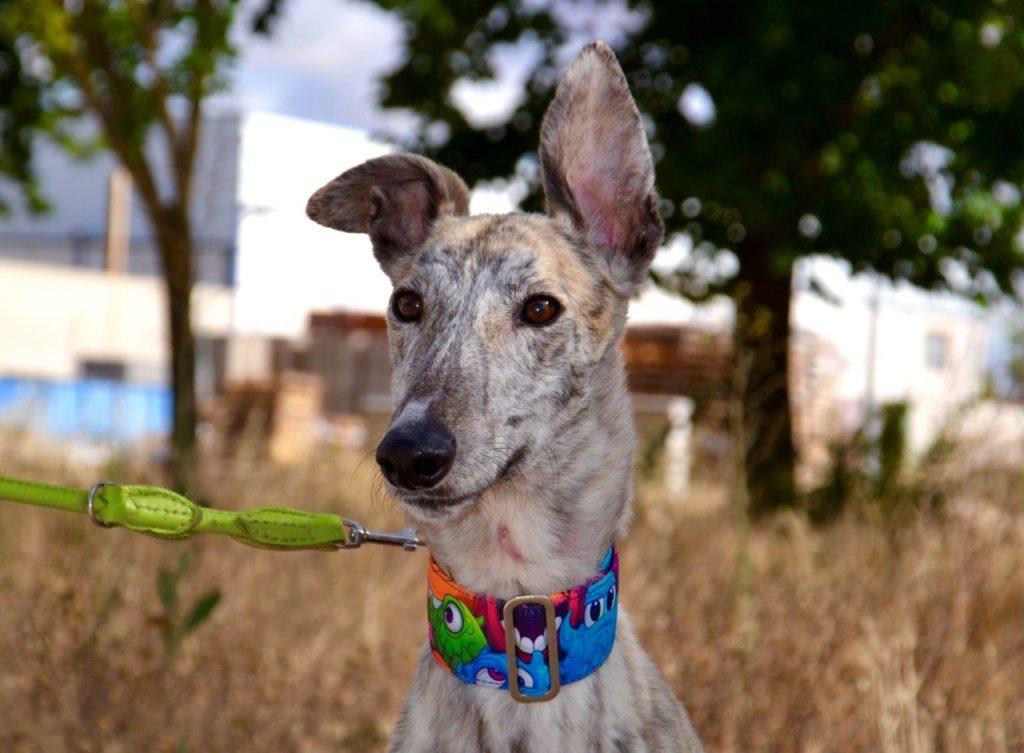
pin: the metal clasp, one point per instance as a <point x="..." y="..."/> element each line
<point x="91" y="505"/>
<point x="358" y="534"/>
<point x="550" y="635"/>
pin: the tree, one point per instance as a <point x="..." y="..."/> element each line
<point x="885" y="132"/>
<point x="142" y="71"/>
<point x="20" y="101"/>
<point x="1016" y="365"/>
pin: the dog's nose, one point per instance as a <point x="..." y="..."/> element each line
<point x="418" y="455"/>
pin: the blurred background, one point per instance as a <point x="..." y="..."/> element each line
<point x="827" y="363"/>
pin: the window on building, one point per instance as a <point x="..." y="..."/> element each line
<point x="936" y="351"/>
<point x="113" y="371"/>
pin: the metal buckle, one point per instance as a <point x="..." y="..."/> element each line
<point x="93" y="491"/>
<point x="510" y="646"/>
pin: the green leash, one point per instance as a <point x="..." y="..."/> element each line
<point x="166" y="515"/>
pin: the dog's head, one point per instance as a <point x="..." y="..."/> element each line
<point x="500" y="324"/>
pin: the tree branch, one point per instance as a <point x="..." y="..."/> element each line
<point x="189" y="145"/>
<point x="160" y="89"/>
<point x="108" y="113"/>
<point x="190" y="135"/>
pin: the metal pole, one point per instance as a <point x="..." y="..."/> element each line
<point x="119" y="217"/>
<point x="869" y="381"/>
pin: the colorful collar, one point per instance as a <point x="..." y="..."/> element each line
<point x="472" y="637"/>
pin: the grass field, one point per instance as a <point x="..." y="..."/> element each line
<point x="860" y="637"/>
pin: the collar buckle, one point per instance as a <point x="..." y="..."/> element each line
<point x="550" y="635"/>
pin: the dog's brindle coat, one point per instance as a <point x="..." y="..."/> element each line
<point x="541" y="482"/>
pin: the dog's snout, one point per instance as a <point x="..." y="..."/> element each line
<point x="418" y="455"/>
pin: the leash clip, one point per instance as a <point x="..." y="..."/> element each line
<point x="358" y="534"/>
<point x="93" y="491"/>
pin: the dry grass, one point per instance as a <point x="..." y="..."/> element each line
<point x="857" y="638"/>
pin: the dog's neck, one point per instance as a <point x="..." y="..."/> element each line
<point x="547" y="529"/>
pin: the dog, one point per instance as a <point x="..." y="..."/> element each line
<point x="511" y="443"/>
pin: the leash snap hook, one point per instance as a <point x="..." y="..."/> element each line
<point x="91" y="505"/>
<point x="358" y="534"/>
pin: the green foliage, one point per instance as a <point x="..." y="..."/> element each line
<point x="870" y="471"/>
<point x="23" y="114"/>
<point x="181" y="742"/>
<point x="891" y="448"/>
<point x="652" y="447"/>
<point x="175" y="627"/>
<point x="131" y="64"/>
<point x="1016" y="366"/>
<point x="201" y="611"/>
<point x="842" y="483"/>
<point x="819" y="111"/>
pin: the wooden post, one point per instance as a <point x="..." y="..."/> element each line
<point x="119" y="218"/>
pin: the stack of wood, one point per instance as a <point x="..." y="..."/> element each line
<point x="670" y="360"/>
<point x="298" y="405"/>
<point x="275" y="417"/>
<point x="350" y="352"/>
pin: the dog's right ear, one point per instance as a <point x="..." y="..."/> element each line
<point x="597" y="166"/>
<point x="395" y="200"/>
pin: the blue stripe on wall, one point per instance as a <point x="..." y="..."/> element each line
<point x="86" y="409"/>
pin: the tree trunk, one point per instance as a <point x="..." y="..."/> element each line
<point x="761" y="350"/>
<point x="176" y="253"/>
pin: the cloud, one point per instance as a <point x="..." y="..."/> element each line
<point x="491" y="101"/>
<point x="321" y="62"/>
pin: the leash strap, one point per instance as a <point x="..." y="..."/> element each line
<point x="167" y="515"/>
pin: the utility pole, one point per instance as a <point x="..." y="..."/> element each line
<point x="119" y="220"/>
<point x="869" y="377"/>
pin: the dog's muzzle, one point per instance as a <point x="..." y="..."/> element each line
<point x="417" y="455"/>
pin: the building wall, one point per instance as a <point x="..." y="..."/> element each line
<point x="73" y="232"/>
<point x="54" y="319"/>
<point x="938" y="379"/>
<point x="895" y="365"/>
<point x="288" y="266"/>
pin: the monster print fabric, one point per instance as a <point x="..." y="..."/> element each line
<point x="467" y="635"/>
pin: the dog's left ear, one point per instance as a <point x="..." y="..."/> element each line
<point x="395" y="200"/>
<point x="597" y="165"/>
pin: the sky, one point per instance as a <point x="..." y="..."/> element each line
<point x="321" y="63"/>
<point x="324" y="57"/>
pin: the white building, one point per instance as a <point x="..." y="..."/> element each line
<point x="877" y="342"/>
<point x="70" y="325"/>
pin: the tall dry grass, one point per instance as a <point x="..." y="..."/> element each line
<point x="860" y="637"/>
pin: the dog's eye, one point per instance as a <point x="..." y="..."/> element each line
<point x="407" y="306"/>
<point x="540" y="310"/>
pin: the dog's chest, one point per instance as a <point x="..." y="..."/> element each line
<point x="577" y="720"/>
<point x="587" y="716"/>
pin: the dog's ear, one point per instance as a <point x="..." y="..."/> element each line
<point x="395" y="200"/>
<point x="597" y="165"/>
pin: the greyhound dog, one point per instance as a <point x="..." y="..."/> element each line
<point x="511" y="444"/>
